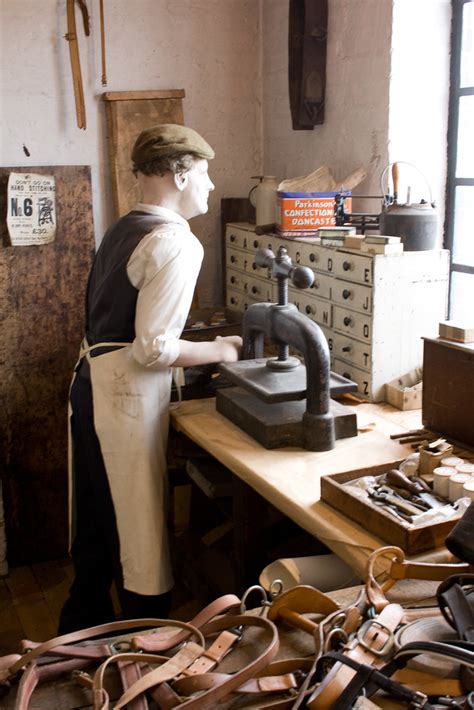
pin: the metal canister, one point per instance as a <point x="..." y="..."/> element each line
<point x="415" y="224"/>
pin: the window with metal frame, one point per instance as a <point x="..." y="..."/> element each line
<point x="459" y="225"/>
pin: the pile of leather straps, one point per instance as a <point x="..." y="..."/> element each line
<point x="369" y="653"/>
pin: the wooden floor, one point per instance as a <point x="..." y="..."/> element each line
<point x="31" y="599"/>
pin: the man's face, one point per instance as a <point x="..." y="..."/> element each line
<point x="195" y="190"/>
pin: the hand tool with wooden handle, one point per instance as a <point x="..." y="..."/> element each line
<point x="387" y="496"/>
<point x="397" y="478"/>
<point x="395" y="177"/>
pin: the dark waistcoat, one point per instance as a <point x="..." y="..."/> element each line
<point x="111" y="299"/>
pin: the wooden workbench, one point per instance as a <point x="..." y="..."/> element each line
<point x="290" y="478"/>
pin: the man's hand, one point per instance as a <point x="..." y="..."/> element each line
<point x="231" y="347"/>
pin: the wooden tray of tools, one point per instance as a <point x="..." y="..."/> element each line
<point x="375" y="519"/>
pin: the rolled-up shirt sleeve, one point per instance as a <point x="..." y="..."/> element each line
<point x="164" y="269"/>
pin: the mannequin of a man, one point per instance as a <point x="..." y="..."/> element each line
<point x="138" y="297"/>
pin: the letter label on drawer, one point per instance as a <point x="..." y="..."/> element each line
<point x="366" y="303"/>
<point x="330" y="264"/>
<point x="366" y="330"/>
<point x="367" y="275"/>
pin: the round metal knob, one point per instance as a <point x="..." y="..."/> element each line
<point x="264" y="257"/>
<point x="313" y="257"/>
<point x="346" y="265"/>
<point x="347" y="375"/>
<point x="347" y="320"/>
<point x="233" y="301"/>
<point x="254" y="266"/>
<point x="347" y="349"/>
<point x="302" y="276"/>
<point x="233" y="259"/>
<point x="232" y="237"/>
<point x="233" y="279"/>
<point x="255" y="289"/>
<point x="346" y="294"/>
<point x="256" y="244"/>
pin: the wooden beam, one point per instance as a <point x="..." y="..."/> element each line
<point x="142" y="95"/>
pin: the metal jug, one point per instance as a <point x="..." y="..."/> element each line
<point x="415" y="223"/>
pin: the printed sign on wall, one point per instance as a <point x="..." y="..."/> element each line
<point x="31" y="213"/>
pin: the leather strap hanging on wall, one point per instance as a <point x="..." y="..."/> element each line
<point x="71" y="37"/>
<point x="102" y="43"/>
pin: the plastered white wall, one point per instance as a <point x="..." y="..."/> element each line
<point x="231" y="58"/>
<point x="419" y="97"/>
<point x="387" y="89"/>
<point x="355" y="129"/>
<point x="209" y="48"/>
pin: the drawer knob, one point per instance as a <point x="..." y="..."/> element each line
<point x="256" y="243"/>
<point x="346" y="265"/>
<point x="233" y="280"/>
<point x="233" y="259"/>
<point x="309" y="309"/>
<point x="347" y="375"/>
<point x="315" y="284"/>
<point x="232" y="237"/>
<point x="347" y="320"/>
<point x="254" y="266"/>
<point x="346" y="294"/>
<point x="255" y="289"/>
<point x="233" y="300"/>
<point x="313" y="257"/>
<point x="347" y="349"/>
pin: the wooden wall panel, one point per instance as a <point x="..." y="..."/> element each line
<point x="129" y="113"/>
<point x="42" y="319"/>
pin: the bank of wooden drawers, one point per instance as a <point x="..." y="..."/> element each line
<point x="318" y="309"/>
<point x="364" y="304"/>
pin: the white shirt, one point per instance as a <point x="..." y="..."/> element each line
<point x="163" y="268"/>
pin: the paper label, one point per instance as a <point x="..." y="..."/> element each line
<point x="303" y="213"/>
<point x="31" y="209"/>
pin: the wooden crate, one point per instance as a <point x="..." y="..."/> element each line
<point x="377" y="521"/>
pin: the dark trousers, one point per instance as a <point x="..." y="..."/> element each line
<point x="96" y="547"/>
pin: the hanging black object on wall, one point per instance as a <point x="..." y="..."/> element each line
<point x="307" y="38"/>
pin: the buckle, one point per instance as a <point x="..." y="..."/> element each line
<point x="120" y="647"/>
<point x="379" y="624"/>
<point x="419" y="700"/>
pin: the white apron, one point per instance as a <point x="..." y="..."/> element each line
<point x="131" y="418"/>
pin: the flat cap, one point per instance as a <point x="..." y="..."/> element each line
<point x="168" y="139"/>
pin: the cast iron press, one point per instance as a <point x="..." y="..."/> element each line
<point x="281" y="401"/>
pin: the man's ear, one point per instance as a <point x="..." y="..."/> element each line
<point x="181" y="180"/>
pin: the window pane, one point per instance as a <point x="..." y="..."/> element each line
<point x="467" y="46"/>
<point x="462" y="297"/>
<point x="465" y="152"/>
<point x="463" y="236"/>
